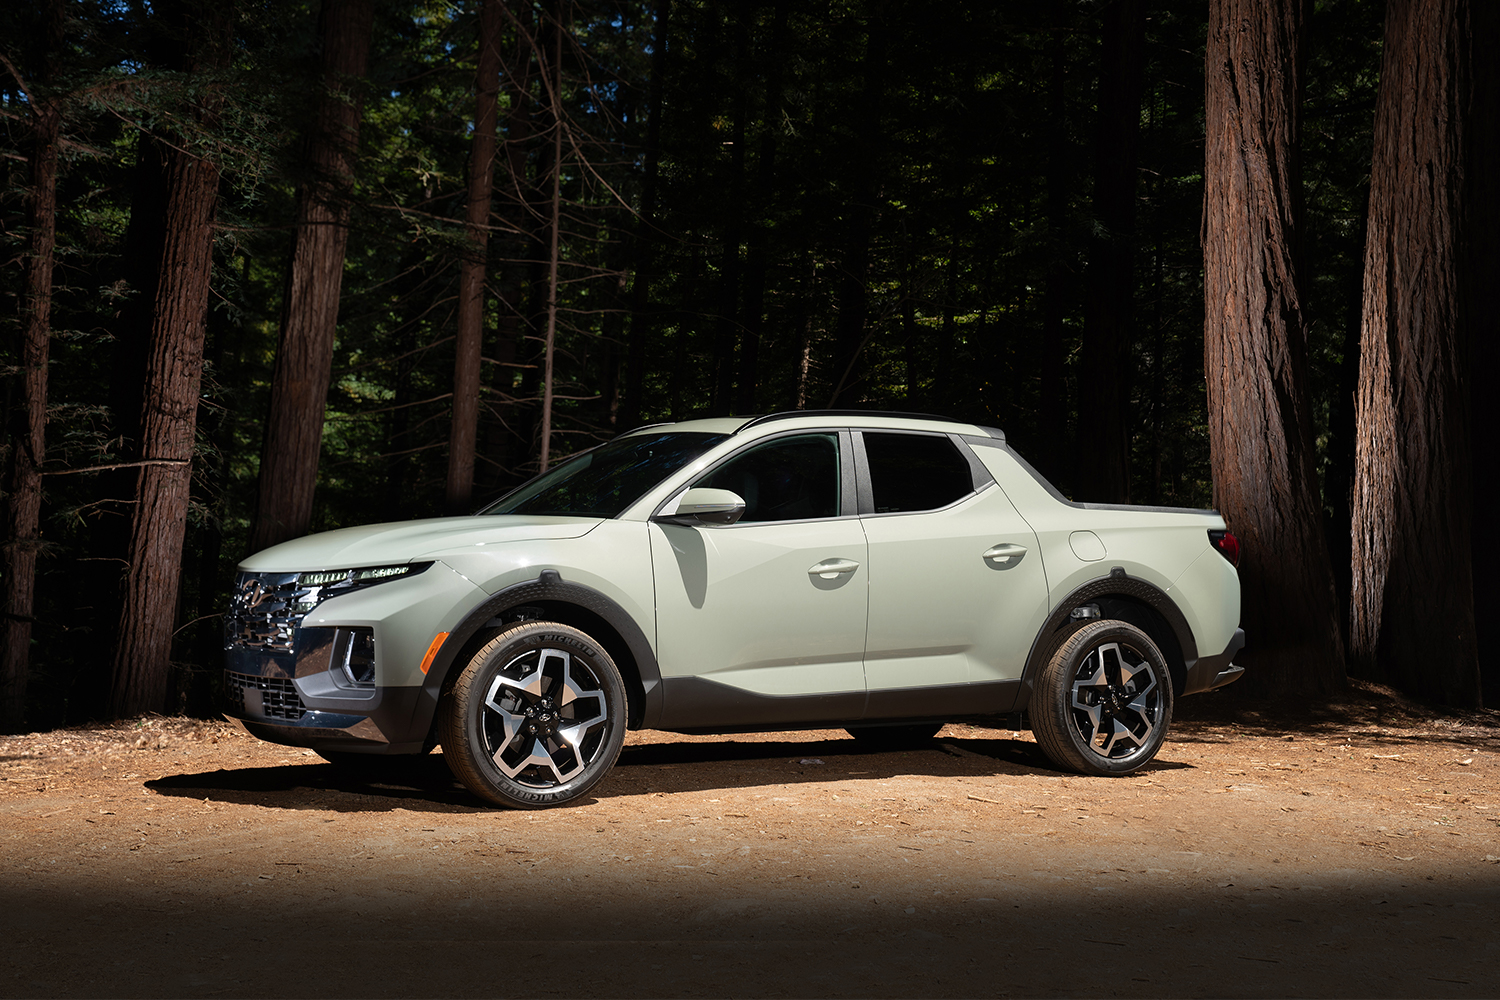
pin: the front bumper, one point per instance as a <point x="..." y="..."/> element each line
<point x="294" y="698"/>
<point x="1208" y="673"/>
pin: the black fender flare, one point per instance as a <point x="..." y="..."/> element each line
<point x="1121" y="585"/>
<point x="548" y="588"/>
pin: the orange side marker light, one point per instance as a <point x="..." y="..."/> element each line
<point x="432" y="651"/>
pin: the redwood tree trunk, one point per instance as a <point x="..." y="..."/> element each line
<point x="169" y="414"/>
<point x="28" y="441"/>
<point x="853" y="289"/>
<point x="469" y="338"/>
<point x="641" y="314"/>
<point x="1103" y="450"/>
<point x="304" y="356"/>
<point x="1412" y="602"/>
<point x="1260" y="427"/>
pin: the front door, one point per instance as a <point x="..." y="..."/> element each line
<point x="763" y="622"/>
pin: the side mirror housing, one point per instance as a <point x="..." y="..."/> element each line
<point x="706" y="506"/>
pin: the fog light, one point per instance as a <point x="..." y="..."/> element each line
<point x="354" y="656"/>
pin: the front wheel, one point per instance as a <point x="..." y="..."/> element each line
<point x="536" y="718"/>
<point x="1104" y="701"/>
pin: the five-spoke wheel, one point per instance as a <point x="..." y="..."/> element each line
<point x="1104" y="702"/>
<point x="536" y="718"/>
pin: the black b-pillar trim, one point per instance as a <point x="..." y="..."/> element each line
<point x="548" y="586"/>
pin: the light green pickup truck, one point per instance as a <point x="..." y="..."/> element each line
<point x="883" y="573"/>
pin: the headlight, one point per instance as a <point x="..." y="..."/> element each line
<point x="316" y="587"/>
<point x="357" y="577"/>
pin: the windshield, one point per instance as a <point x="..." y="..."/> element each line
<point x="605" y="480"/>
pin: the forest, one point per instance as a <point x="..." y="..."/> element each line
<point x="278" y="266"/>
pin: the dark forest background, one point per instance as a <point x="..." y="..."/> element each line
<point x="308" y="264"/>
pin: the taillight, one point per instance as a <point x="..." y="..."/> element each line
<point x="1227" y="544"/>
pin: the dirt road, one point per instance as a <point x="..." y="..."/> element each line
<point x="1355" y="855"/>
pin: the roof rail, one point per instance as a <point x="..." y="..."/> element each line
<point x="789" y="414"/>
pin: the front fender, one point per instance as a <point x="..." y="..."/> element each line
<point x="549" y="589"/>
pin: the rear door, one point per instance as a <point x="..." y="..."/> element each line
<point x="955" y="579"/>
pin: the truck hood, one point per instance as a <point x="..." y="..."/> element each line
<point x="407" y="541"/>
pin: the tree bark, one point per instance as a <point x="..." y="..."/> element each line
<point x="304" y="355"/>
<point x="174" y="368"/>
<point x="1260" y="427"/>
<point x="641" y="310"/>
<point x="1053" y="426"/>
<point x="28" y="419"/>
<point x="553" y="75"/>
<point x="853" y="290"/>
<point x="1103" y="451"/>
<point x="726" y="320"/>
<point x="464" y="430"/>
<point x="1428" y="298"/>
<point x="756" y="257"/>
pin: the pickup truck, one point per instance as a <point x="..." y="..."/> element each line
<point x="881" y="573"/>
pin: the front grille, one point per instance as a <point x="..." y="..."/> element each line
<point x="265" y="610"/>
<point x="278" y="696"/>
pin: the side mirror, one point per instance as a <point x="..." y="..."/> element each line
<point x="706" y="506"/>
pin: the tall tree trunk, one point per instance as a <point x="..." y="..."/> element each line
<point x="304" y="356"/>
<point x="853" y="290"/>
<point x="1428" y="308"/>
<point x="641" y="310"/>
<point x="756" y="262"/>
<point x="726" y="322"/>
<point x="1260" y="427"/>
<point x="469" y="337"/>
<point x="553" y="75"/>
<point x="174" y="368"/>
<point x="28" y="419"/>
<point x="1053" y="423"/>
<point x="1103" y="451"/>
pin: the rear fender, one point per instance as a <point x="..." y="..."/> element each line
<point x="1123" y="597"/>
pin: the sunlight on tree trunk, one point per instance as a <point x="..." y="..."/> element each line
<point x="1412" y="605"/>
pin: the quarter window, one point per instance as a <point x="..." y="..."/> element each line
<point x="912" y="472"/>
<point x="788" y="479"/>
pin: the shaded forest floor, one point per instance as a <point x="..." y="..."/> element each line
<point x="1350" y="850"/>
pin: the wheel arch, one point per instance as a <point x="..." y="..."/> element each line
<point x="1125" y="598"/>
<point x="550" y="598"/>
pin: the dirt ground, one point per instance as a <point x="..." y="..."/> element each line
<point x="1349" y="852"/>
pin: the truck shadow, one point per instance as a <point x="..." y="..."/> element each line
<point x="425" y="783"/>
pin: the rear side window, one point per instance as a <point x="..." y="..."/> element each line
<point x="912" y="472"/>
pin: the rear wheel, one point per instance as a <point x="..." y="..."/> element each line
<point x="1104" y="702"/>
<point x="536" y="718"/>
<point x="895" y="737"/>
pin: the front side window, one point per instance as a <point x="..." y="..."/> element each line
<point x="914" y="472"/>
<point x="788" y="479"/>
<point x="605" y="480"/>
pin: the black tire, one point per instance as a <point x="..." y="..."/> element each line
<point x="895" y="737"/>
<point x="537" y="717"/>
<point x="1104" y="702"/>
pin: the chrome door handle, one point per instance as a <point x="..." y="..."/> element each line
<point x="1005" y="551"/>
<point x="831" y="569"/>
